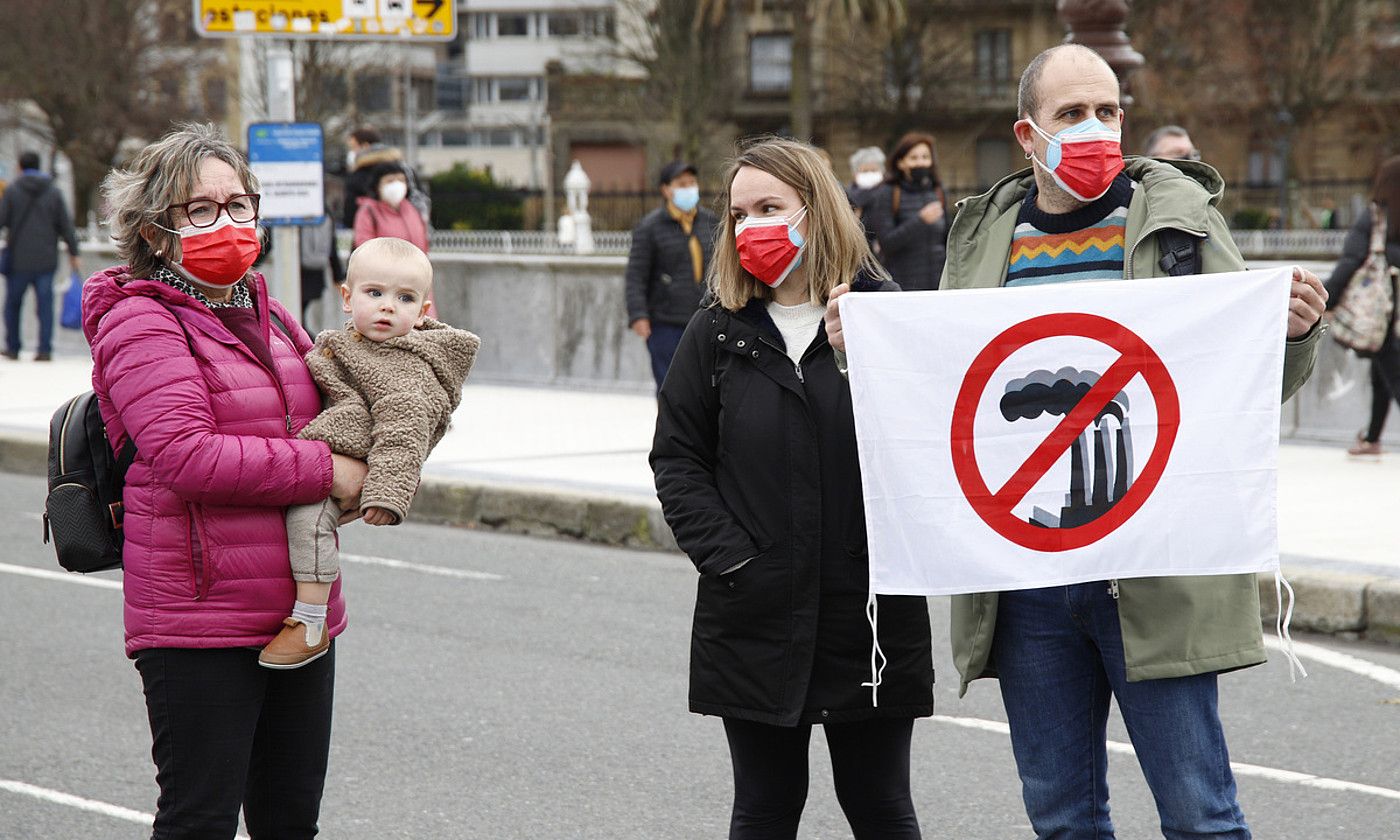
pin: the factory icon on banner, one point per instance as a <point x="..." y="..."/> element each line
<point x="1101" y="457"/>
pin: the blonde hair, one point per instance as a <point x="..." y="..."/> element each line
<point x="401" y="252"/>
<point x="164" y="173"/>
<point x="836" y="249"/>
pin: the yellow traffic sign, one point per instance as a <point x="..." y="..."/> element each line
<point x="434" y="20"/>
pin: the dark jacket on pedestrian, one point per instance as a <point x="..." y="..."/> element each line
<point x="34" y="214"/>
<point x="910" y="249"/>
<point x="1354" y="252"/>
<point x="756" y="458"/>
<point x="662" y="284"/>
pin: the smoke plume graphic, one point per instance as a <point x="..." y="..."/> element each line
<point x="1101" y="458"/>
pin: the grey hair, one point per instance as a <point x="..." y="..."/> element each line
<point x="1163" y="132"/>
<point x="1028" y="93"/>
<point x="865" y="156"/>
<point x="164" y="173"/>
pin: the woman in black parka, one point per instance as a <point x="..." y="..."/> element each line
<point x="908" y="215"/>
<point x="755" y="463"/>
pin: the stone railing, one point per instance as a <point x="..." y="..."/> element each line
<point x="1289" y="244"/>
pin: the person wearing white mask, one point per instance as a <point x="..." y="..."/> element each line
<point x="867" y="173"/>
<point x="387" y="212"/>
<point x="671" y="247"/>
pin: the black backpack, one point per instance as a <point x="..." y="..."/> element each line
<point x="83" y="511"/>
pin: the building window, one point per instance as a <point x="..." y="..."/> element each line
<point x="515" y="90"/>
<point x="481" y="26"/>
<point x="373" y="93"/>
<point x="512" y="26"/>
<point x="770" y="63"/>
<point x="993" y="160"/>
<point x="993" y="56"/>
<point x="565" y="25"/>
<point x="1265" y="168"/>
<point x="598" y="24"/>
<point x="451" y="88"/>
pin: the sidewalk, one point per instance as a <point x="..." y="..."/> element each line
<point x="574" y="464"/>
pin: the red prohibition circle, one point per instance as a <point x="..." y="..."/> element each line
<point x="1137" y="358"/>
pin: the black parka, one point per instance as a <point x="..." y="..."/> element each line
<point x="660" y="280"/>
<point x="910" y="248"/>
<point x="755" y="457"/>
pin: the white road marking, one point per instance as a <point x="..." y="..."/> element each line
<point x="65" y="577"/>
<point x="388" y="562"/>
<point x="1344" y="661"/>
<point x="106" y="809"/>
<point x="1241" y="769"/>
<point x="61" y="798"/>
<point x="442" y="571"/>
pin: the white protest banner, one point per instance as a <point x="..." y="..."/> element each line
<point x="1063" y="433"/>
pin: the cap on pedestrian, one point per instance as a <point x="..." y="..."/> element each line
<point x="675" y="169"/>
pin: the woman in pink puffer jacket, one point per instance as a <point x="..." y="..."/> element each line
<point x="195" y="363"/>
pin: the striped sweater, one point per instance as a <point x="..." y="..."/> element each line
<point x="1084" y="244"/>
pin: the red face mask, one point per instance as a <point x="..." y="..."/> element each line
<point x="219" y="255"/>
<point x="770" y="247"/>
<point x="1083" y="159"/>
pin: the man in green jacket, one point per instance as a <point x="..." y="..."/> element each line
<point x="1154" y="644"/>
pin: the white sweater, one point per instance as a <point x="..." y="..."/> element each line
<point x="798" y="324"/>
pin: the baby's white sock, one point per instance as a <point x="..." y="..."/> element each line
<point x="309" y="613"/>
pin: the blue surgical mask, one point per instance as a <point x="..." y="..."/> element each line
<point x="685" y="198"/>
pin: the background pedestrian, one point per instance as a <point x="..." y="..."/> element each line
<point x="320" y="261"/>
<point x="198" y="366"/>
<point x="1171" y="142"/>
<point x="671" y="249"/>
<point x="908" y="215"/>
<point x="1385" y="365"/>
<point x="756" y="469"/>
<point x="35" y="217"/>
<point x="867" y="173"/>
<point x="388" y="212"/>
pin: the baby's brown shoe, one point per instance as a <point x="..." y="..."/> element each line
<point x="296" y="645"/>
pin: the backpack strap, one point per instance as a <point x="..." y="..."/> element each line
<point x="894" y="202"/>
<point x="272" y="316"/>
<point x="1181" y="252"/>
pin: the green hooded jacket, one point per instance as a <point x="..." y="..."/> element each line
<point x="1172" y="626"/>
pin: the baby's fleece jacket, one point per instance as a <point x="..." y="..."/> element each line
<point x="389" y="402"/>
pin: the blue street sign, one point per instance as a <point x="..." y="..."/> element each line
<point x="289" y="159"/>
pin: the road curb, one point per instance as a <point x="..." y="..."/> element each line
<point x="1327" y="601"/>
<point x="516" y="509"/>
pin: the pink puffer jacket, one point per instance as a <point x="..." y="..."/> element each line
<point x="217" y="462"/>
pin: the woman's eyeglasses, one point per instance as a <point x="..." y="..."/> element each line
<point x="204" y="212"/>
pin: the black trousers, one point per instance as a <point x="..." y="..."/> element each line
<point x="1385" y="385"/>
<point x="870" y="763"/>
<point x="227" y="732"/>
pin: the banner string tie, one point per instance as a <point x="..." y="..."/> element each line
<point x="877" y="656"/>
<point x="1281" y="621"/>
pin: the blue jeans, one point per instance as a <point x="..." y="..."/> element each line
<point x="662" y="344"/>
<point x="1058" y="653"/>
<point x="16" y="284"/>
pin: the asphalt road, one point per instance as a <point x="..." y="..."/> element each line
<point x="505" y="687"/>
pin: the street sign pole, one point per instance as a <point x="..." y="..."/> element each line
<point x="286" y="239"/>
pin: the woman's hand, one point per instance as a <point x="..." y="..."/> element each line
<point x="832" y="318"/>
<point x="347" y="482"/>
<point x="930" y="213"/>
